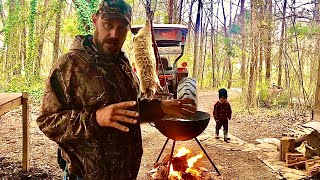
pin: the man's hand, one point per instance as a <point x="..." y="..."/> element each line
<point x="180" y="108"/>
<point x="109" y="116"/>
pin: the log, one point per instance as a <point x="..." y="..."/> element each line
<point x="306" y="150"/>
<point x="312" y="138"/>
<point x="313" y="165"/>
<point x="295" y="160"/>
<point x="316" y="114"/>
<point x="180" y="163"/>
<point x="286" y="145"/>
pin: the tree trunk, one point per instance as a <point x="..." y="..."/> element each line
<point x="12" y="41"/>
<point x="317" y="20"/>
<point x="2" y="15"/>
<point x="23" y="45"/>
<point x="170" y="11"/>
<point x="261" y="39"/>
<point x="31" y="40"/>
<point x="189" y="26"/>
<point x="317" y="96"/>
<point x="196" y="38"/>
<point x="228" y="47"/>
<point x="269" y="43"/>
<point x="253" y="61"/>
<point x="180" y="12"/>
<point x="229" y="56"/>
<point x="243" y="45"/>
<point x="280" y="55"/>
<point x="57" y="32"/>
<point x="205" y="55"/>
<point x="43" y="25"/>
<point x="260" y="55"/>
<point x="216" y="45"/>
<point x="203" y="29"/>
<point x="213" y="57"/>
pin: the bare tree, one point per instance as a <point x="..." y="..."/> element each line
<point x="261" y="39"/>
<point x="317" y="94"/>
<point x="196" y="41"/>
<point x="317" y="20"/>
<point x="42" y="25"/>
<point x="228" y="46"/>
<point x="57" y="31"/>
<point x="280" y="53"/>
<point x="190" y="24"/>
<point x="2" y="15"/>
<point x="203" y="34"/>
<point x="11" y="41"/>
<point x="180" y="11"/>
<point x="254" y="56"/>
<point x="213" y="57"/>
<point x="23" y="42"/>
<point x="269" y="43"/>
<point x="243" y="44"/>
<point x="170" y="11"/>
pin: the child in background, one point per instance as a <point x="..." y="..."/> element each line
<point x="222" y="114"/>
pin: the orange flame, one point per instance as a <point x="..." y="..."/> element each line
<point x="181" y="152"/>
<point x="191" y="161"/>
<point x="174" y="173"/>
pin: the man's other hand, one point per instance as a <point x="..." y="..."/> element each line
<point x="180" y="108"/>
<point x="109" y="116"/>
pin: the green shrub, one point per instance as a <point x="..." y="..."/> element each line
<point x="18" y="84"/>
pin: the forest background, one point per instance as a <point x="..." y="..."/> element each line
<point x="246" y="45"/>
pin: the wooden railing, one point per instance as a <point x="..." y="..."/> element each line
<point x="9" y="101"/>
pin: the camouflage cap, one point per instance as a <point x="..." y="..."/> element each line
<point x="115" y="9"/>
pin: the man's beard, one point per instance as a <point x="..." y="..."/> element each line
<point x="99" y="45"/>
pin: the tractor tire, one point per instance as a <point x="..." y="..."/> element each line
<point x="187" y="88"/>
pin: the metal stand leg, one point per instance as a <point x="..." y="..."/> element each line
<point x="162" y="149"/>
<point x="207" y="156"/>
<point x="171" y="155"/>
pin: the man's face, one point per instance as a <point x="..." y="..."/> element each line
<point x="109" y="34"/>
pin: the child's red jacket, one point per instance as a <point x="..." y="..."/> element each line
<point x="222" y="111"/>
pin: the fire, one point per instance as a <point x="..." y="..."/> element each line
<point x="181" y="168"/>
<point x="190" y="161"/>
<point x="194" y="159"/>
<point x="182" y="151"/>
<point x="173" y="173"/>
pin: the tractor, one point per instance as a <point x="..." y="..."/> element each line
<point x="170" y="42"/>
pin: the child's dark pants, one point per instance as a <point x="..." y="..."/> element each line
<point x="219" y="124"/>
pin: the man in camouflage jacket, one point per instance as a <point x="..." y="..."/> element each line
<point x="91" y="106"/>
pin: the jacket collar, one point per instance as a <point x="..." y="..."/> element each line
<point x="85" y="44"/>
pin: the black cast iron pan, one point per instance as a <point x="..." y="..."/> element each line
<point x="183" y="129"/>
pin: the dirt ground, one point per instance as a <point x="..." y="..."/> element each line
<point x="231" y="159"/>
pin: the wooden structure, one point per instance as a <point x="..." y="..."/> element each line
<point x="9" y="101"/>
<point x="287" y="145"/>
<point x="312" y="138"/>
<point x="313" y="164"/>
<point x="316" y="114"/>
<point x="295" y="159"/>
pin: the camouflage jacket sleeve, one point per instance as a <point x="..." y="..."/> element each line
<point x="62" y="119"/>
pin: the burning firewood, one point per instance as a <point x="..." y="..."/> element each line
<point x="180" y="163"/>
<point x="145" y="62"/>
<point x="182" y="168"/>
<point x="160" y="172"/>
